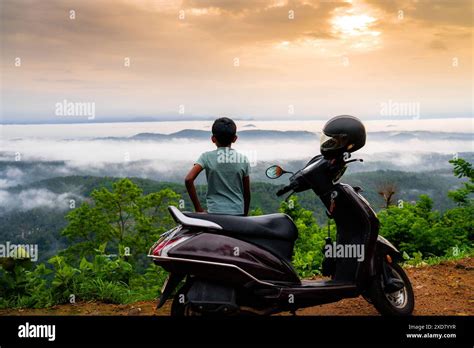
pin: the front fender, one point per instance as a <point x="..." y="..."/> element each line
<point x="382" y="248"/>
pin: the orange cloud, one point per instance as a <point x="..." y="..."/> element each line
<point x="323" y="57"/>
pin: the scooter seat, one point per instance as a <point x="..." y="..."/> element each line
<point x="274" y="232"/>
<point x="271" y="226"/>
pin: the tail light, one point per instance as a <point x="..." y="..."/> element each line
<point x="163" y="246"/>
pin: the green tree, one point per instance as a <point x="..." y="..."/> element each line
<point x="123" y="218"/>
<point x="463" y="169"/>
<point x="416" y="228"/>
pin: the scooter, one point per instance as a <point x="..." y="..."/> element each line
<point x="237" y="265"/>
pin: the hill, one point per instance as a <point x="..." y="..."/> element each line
<point x="25" y="222"/>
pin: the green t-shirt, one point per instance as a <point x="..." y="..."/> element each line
<point x="225" y="169"/>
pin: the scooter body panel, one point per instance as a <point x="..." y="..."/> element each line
<point x="230" y="259"/>
<point x="357" y="227"/>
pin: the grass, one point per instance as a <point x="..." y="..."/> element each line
<point x="417" y="259"/>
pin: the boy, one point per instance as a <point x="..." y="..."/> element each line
<point x="227" y="173"/>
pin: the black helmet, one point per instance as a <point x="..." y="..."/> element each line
<point x="341" y="134"/>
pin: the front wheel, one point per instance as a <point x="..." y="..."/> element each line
<point x="398" y="303"/>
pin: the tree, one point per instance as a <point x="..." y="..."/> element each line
<point x="463" y="169"/>
<point x="387" y="191"/>
<point x="123" y="218"/>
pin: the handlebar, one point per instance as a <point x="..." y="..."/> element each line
<point x="354" y="160"/>
<point x="284" y="190"/>
<point x="299" y="180"/>
<point x="293" y="185"/>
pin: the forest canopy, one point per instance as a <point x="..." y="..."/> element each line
<point x="109" y="234"/>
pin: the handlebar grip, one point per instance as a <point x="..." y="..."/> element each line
<point x="283" y="190"/>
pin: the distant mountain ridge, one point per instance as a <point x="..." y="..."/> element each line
<point x="409" y="135"/>
<point x="197" y="134"/>
<point x="256" y="134"/>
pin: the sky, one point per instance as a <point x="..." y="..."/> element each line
<point x="261" y="59"/>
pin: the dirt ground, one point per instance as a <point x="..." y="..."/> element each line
<point x="443" y="289"/>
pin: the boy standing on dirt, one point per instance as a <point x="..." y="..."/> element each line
<point x="227" y="173"/>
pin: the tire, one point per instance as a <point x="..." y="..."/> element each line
<point x="181" y="306"/>
<point x="399" y="303"/>
<point x="178" y="307"/>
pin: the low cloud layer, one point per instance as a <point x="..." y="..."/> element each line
<point x="99" y="154"/>
<point x="32" y="153"/>
<point x="35" y="198"/>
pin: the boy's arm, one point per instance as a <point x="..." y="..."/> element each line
<point x="189" y="182"/>
<point x="246" y="195"/>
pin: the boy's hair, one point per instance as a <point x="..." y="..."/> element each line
<point x="224" y="129"/>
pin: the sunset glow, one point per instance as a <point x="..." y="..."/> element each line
<point x="353" y="25"/>
<point x="241" y="58"/>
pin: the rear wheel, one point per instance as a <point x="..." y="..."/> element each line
<point x="180" y="306"/>
<point x="398" y="303"/>
<point x="183" y="310"/>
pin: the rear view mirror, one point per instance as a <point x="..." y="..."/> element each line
<point x="274" y="172"/>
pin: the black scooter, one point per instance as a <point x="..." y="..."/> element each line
<point x="242" y="265"/>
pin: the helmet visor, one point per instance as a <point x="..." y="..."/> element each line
<point x="333" y="142"/>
